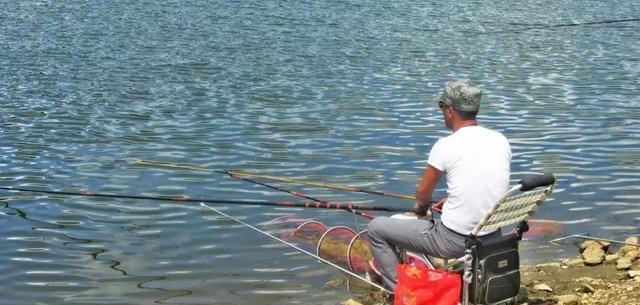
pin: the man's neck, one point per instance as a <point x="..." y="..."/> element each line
<point x="465" y="123"/>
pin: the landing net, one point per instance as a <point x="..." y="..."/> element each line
<point x="340" y="245"/>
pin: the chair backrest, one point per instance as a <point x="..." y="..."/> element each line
<point x="513" y="209"/>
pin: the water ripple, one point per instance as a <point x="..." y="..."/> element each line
<point x="334" y="92"/>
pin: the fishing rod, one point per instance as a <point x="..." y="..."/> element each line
<point x="297" y="194"/>
<point x="246" y="174"/>
<point x="327" y="185"/>
<point x="562" y="25"/>
<point x="316" y="205"/>
<point x="268" y="177"/>
<point x="297" y="248"/>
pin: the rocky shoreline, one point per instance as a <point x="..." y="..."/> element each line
<point x="599" y="275"/>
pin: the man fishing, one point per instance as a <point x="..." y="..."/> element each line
<point x="476" y="164"/>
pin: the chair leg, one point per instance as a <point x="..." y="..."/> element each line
<point x="467" y="277"/>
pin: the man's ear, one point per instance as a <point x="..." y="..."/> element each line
<point x="449" y="112"/>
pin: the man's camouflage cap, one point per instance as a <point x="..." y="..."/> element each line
<point x="461" y="95"/>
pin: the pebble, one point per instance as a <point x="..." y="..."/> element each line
<point x="593" y="255"/>
<point x="548" y="265"/>
<point x="627" y="248"/>
<point x="611" y="258"/>
<point x="575" y="262"/>
<point x="623" y="263"/>
<point x="335" y="283"/>
<point x="632" y="255"/>
<point x="351" y="302"/>
<point x="585" y="279"/>
<point x="586" y="288"/>
<point x="568" y="299"/>
<point x="543" y="287"/>
<point x="632" y="240"/>
<point x="592" y="243"/>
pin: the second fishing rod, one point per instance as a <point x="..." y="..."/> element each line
<point x="308" y="204"/>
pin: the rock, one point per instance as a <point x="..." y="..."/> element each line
<point x="632" y="255"/>
<point x="623" y="264"/>
<point x="585" y="279"/>
<point x="611" y="258"/>
<point x="586" y="288"/>
<point x="542" y="287"/>
<point x="351" y="302"/>
<point x="593" y="255"/>
<point x="634" y="273"/>
<point x="575" y="262"/>
<point x="627" y="248"/>
<point x="335" y="283"/>
<point x="568" y="299"/>
<point x="593" y="243"/>
<point x="633" y="240"/>
<point x="547" y="266"/>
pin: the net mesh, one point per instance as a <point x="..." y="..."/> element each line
<point x="340" y="245"/>
<point x="334" y="245"/>
<point x="310" y="231"/>
<point x="294" y="229"/>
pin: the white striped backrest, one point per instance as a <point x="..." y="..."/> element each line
<point x="514" y="209"/>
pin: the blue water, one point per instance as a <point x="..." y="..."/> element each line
<point x="329" y="91"/>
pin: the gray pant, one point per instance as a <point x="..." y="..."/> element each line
<point x="432" y="238"/>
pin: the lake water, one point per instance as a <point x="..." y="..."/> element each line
<point x="329" y="91"/>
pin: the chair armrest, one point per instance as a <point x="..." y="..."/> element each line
<point x="533" y="181"/>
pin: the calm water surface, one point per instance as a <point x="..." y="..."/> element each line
<point x="331" y="91"/>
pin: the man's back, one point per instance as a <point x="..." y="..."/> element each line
<point x="476" y="161"/>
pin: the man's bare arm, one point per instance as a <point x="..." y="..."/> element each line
<point x="424" y="192"/>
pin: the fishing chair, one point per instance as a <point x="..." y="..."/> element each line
<point x="491" y="268"/>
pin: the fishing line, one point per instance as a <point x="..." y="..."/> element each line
<point x="297" y="248"/>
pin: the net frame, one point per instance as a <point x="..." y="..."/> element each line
<point x="324" y="240"/>
<point x="323" y="229"/>
<point x="362" y="237"/>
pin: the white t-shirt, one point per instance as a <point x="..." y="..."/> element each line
<point x="477" y="163"/>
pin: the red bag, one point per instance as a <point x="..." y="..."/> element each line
<point x="419" y="285"/>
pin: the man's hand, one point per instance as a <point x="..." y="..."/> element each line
<point x="437" y="206"/>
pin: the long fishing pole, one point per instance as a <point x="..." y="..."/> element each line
<point x="562" y="25"/>
<point x="326" y="185"/>
<point x="316" y="205"/>
<point x="297" y="194"/>
<point x="246" y="174"/>
<point x="268" y="177"/>
<point x="297" y="248"/>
